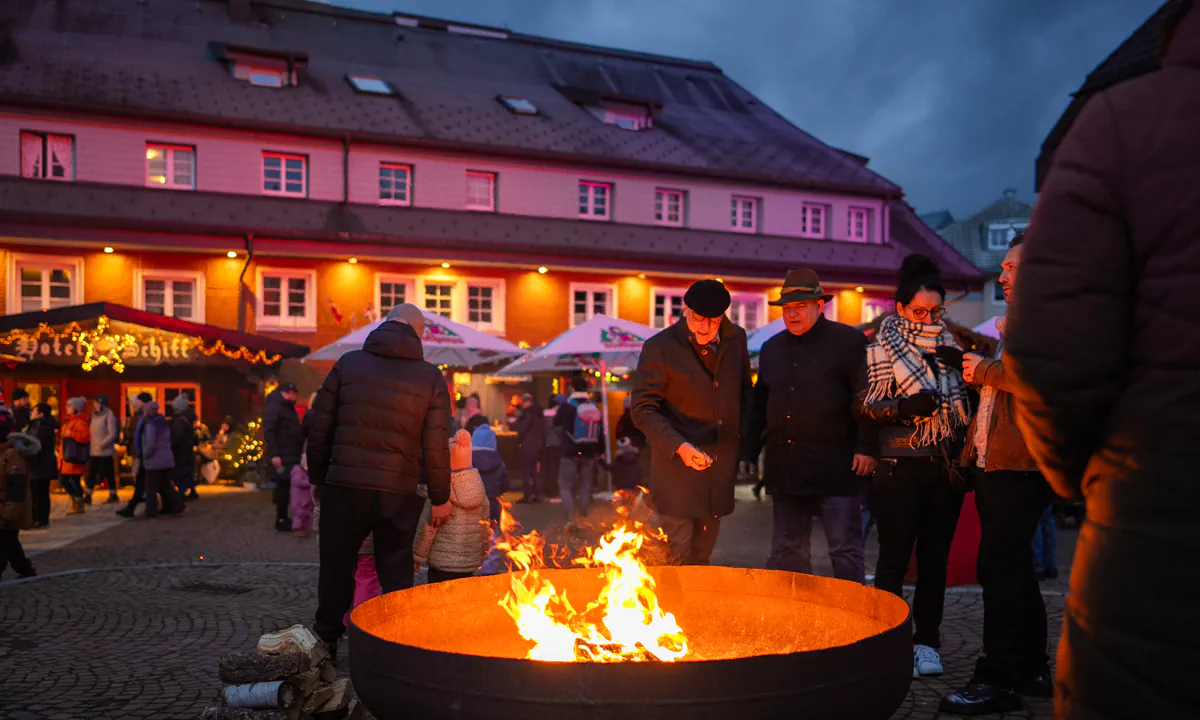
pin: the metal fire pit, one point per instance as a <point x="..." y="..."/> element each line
<point x="763" y="644"/>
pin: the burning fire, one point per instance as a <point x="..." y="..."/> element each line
<point x="624" y="623"/>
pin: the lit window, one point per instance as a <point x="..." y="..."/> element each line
<point x="394" y="184"/>
<point x="590" y="301"/>
<point x="812" y="220"/>
<point x="746" y="310"/>
<point x="287" y="299"/>
<point x="518" y="105"/>
<point x="859" y="225"/>
<point x="285" y="174"/>
<point x="594" y="200"/>
<point x="1000" y="234"/>
<point x="668" y="207"/>
<point x="45" y="156"/>
<point x="439" y="299"/>
<point x="171" y="167"/>
<point x="744" y="214"/>
<point x="668" y="307"/>
<point x="370" y="85"/>
<point x="481" y="191"/>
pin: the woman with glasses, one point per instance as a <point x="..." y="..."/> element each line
<point x="917" y="396"/>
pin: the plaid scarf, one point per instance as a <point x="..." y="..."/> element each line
<point x="897" y="367"/>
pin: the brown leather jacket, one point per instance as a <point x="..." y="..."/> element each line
<point x="1005" y="446"/>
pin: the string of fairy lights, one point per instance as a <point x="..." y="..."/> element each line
<point x="103" y="346"/>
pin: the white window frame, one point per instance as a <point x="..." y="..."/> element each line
<point x="809" y="211"/>
<point x="393" y="166"/>
<point x="410" y="289"/>
<point x="760" y="313"/>
<point x="737" y="207"/>
<point x="591" y="213"/>
<point x="16" y="261"/>
<point x="46" y="163"/>
<point x="283" y="158"/>
<point x="672" y="292"/>
<point x="1011" y="226"/>
<point x="995" y="292"/>
<point x="491" y="178"/>
<point x="455" y="300"/>
<point x="140" y="276"/>
<point x="169" y="150"/>
<point x="662" y="196"/>
<point x="865" y="214"/>
<point x="590" y="288"/>
<point x="283" y="323"/>
<point x="498" y="295"/>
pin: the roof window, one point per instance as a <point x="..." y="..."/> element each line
<point x="518" y="105"/>
<point x="623" y="115"/>
<point x="370" y="85"/>
<point x="261" y="68"/>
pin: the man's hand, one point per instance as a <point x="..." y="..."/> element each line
<point x="864" y="465"/>
<point x="441" y="513"/>
<point x="277" y="462"/>
<point x="693" y="458"/>
<point x="970" y="362"/>
<point x="460" y="451"/>
<point x="747" y="470"/>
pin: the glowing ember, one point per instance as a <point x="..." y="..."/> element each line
<point x="624" y="623"/>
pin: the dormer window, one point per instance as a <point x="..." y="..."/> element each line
<point x="261" y="68"/>
<point x="624" y="115"/>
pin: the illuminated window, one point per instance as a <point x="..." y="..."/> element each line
<point x="595" y="200"/>
<point x="171" y="166"/>
<point x="285" y="174"/>
<point x="45" y="156"/>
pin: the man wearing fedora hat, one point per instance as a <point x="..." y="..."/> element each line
<point x="802" y="413"/>
<point x="693" y="381"/>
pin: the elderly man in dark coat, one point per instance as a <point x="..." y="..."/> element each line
<point x="285" y="444"/>
<point x="380" y="423"/>
<point x="1104" y="343"/>
<point x="690" y="398"/>
<point x="817" y="454"/>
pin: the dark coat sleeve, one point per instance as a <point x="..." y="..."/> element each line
<point x="271" y="436"/>
<point x="746" y="395"/>
<point x="867" y="441"/>
<point x="1075" y="281"/>
<point x="649" y="394"/>
<point x="435" y="443"/>
<point x="321" y="421"/>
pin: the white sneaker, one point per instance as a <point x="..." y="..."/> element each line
<point x="926" y="661"/>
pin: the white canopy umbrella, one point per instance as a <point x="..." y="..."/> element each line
<point x="445" y="342"/>
<point x="602" y="344"/>
<point x="759" y="337"/>
<point x="988" y="327"/>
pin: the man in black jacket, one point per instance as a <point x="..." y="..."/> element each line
<point x="690" y="399"/>
<point x="816" y="452"/>
<point x="21" y="412"/>
<point x="530" y="425"/>
<point x="381" y="417"/>
<point x="285" y="444"/>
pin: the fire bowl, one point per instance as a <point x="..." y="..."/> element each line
<point x="763" y="644"/>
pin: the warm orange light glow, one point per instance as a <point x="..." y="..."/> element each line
<point x="231" y="254"/>
<point x="858" y="289"/>
<point x="108" y="250"/>
<point x="445" y="266"/>
<point x="151" y="153"/>
<point x="721" y="280"/>
<point x="641" y="276"/>
<point x="543" y="270"/>
<point x="353" y="261"/>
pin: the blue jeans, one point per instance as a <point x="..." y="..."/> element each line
<point x="576" y="476"/>
<point x="1045" y="543"/>
<point x="792" y="532"/>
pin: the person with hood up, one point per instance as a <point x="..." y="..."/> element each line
<point x="183" y="446"/>
<point x="44" y="467"/>
<point x="486" y="458"/>
<point x="456" y="549"/>
<point x="153" y="443"/>
<point x="17" y="451"/>
<point x="102" y="451"/>
<point x="285" y="442"/>
<point x="76" y="441"/>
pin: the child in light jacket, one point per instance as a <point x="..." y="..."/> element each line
<point x="301" y="499"/>
<point x="456" y="549"/>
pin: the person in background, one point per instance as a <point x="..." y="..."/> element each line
<point x="456" y="548"/>
<point x="473" y="416"/>
<point x="17" y="451"/>
<point x="105" y="431"/>
<point x="553" y="454"/>
<point x="21" y="412"/>
<point x="183" y="446"/>
<point x="485" y="457"/>
<point x="581" y="425"/>
<point x="627" y="428"/>
<point x="220" y="441"/>
<point x="366" y="577"/>
<point x="130" y="440"/>
<point x="44" y="467"/>
<point x="626" y="470"/>
<point x="301" y="498"/>
<point x="285" y="442"/>
<point x="920" y="403"/>
<point x="153" y="442"/>
<point x="76" y="441"/>
<point x="1045" y="546"/>
<point x="530" y="425"/>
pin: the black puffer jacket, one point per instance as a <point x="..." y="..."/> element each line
<point x="183" y="438"/>
<point x="381" y="415"/>
<point x="45" y="465"/>
<point x="281" y="430"/>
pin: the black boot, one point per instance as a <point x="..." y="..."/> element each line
<point x="125" y="512"/>
<point x="980" y="699"/>
<point x="283" y="524"/>
<point x="1038" y="686"/>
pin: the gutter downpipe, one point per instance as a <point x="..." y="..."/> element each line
<point x="346" y="168"/>
<point x="241" y="323"/>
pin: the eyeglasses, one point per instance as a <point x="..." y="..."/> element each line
<point x="922" y="314"/>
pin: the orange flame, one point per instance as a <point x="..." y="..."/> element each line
<point x="624" y="623"/>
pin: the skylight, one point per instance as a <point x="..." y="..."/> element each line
<point x="519" y="105"/>
<point x="370" y="85"/>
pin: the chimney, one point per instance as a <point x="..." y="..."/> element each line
<point x="239" y="10"/>
<point x="1009" y="193"/>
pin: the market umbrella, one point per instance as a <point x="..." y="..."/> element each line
<point x="601" y="344"/>
<point x="446" y="343"/>
<point x="988" y="328"/>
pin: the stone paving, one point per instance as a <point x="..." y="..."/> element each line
<point x="129" y="622"/>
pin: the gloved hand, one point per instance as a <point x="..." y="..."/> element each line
<point x="923" y="404"/>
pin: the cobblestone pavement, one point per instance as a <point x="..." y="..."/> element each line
<point x="105" y="638"/>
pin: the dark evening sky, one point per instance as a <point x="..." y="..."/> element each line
<point x="951" y="99"/>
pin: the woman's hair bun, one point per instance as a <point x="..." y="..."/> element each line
<point x="917" y="266"/>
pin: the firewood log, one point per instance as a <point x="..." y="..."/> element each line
<point x="262" y="696"/>
<point x="239" y="668"/>
<point x="297" y="638"/>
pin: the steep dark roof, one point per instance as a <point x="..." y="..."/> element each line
<point x="193" y="219"/>
<point x="969" y="236"/>
<point x="154" y="59"/>
<point x="938" y="220"/>
<point x="1139" y="54"/>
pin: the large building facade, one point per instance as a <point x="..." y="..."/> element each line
<point x="292" y="169"/>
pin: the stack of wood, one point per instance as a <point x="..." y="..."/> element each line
<point x="289" y="676"/>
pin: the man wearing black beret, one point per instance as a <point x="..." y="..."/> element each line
<point x="690" y="398"/>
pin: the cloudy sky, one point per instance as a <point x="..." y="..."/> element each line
<point x="951" y="99"/>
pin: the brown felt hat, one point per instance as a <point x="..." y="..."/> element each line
<point x="802" y="284"/>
